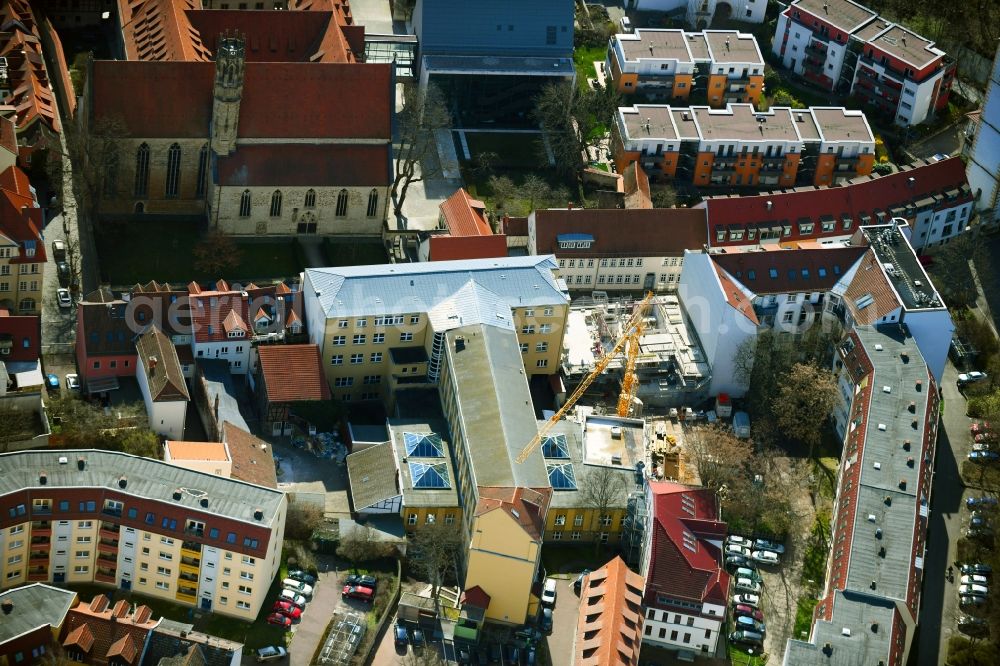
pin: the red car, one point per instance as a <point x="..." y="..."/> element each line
<point x="280" y="620"/>
<point x="365" y="594"/>
<point x="980" y="426"/>
<point x="294" y="613"/>
<point x="743" y="609"/>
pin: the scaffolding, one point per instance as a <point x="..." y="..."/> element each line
<point x="634" y="529"/>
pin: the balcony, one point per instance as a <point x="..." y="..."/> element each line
<point x="41" y="528"/>
<point x="864" y="72"/>
<point x="846" y="164"/>
<point x="191" y="547"/>
<point x="109" y="548"/>
<point x="189" y="577"/>
<point x="187" y="594"/>
<point x="190" y="564"/>
<point x="40" y="540"/>
<point x="107" y="526"/>
<point x="105" y="576"/>
<point x="109" y="511"/>
<point x="817" y="50"/>
<point x="38" y="558"/>
<point x="812" y="65"/>
<point x="36" y="574"/>
<point x="108" y="557"/>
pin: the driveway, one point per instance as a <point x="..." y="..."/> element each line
<point x="564" y="618"/>
<point x="939" y="600"/>
<point x="319" y="612"/>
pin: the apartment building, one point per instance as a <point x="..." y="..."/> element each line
<point x="717" y="66"/>
<point x="161" y="382"/>
<point x="381" y="328"/>
<point x="687" y="589"/>
<point x="846" y="47"/>
<point x="85" y="516"/>
<point x="617" y="249"/>
<point x="933" y="197"/>
<point x="22" y="250"/>
<point x="737" y="146"/>
<point x="888" y="416"/>
<point x="700" y="13"/>
<point x="32" y="618"/>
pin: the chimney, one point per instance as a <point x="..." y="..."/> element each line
<point x="7" y="606"/>
<point x="81" y="464"/>
<point x="204" y="502"/>
<point x="42" y="478"/>
<point x="569" y="205"/>
<point x="152" y="365"/>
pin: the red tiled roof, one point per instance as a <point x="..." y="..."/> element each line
<point x="621" y="231"/>
<point x="683" y="564"/>
<point x="610" y="619"/>
<point x="63" y="73"/>
<point x="81" y="637"/>
<point x="17" y="329"/>
<point x="869" y="280"/>
<point x="464" y="216"/>
<point x="121" y="638"/>
<point x="160" y="30"/>
<point x="124" y="648"/>
<point x="293" y="373"/>
<point x="476" y="596"/>
<point x="211" y="309"/>
<point x="527" y="506"/>
<point x="158" y="357"/>
<point x="862" y="196"/>
<point x="251" y="457"/>
<point x="277" y="36"/>
<point x="781" y="271"/>
<point x="302" y="165"/>
<point x="636" y="182"/>
<point x="20" y="44"/>
<point x="446" y="248"/>
<point x="20" y="219"/>
<point x="734" y="295"/>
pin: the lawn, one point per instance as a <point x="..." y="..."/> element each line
<point x="584" y="58"/>
<point x="738" y="657"/>
<point x="803" y="616"/>
<point x="141" y="251"/>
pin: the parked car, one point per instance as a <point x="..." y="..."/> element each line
<point x="64" y="298"/>
<point x="578" y="583"/>
<point x="279" y="620"/>
<point x="402" y="640"/>
<point x="58" y="250"/>
<point x="744" y="622"/>
<point x="743" y="572"/>
<point x="742" y="541"/>
<point x="973" y="626"/>
<point x="984" y="456"/>
<point x="270" y="652"/>
<point x="980" y="426"/>
<point x="765" y="556"/>
<point x="971" y="600"/>
<point x="545" y="620"/>
<point x="747" y="585"/>
<point x="744" y="637"/>
<point x="982" y="446"/>
<point x="977" y="590"/>
<point x="293" y="613"/>
<point x="764" y="544"/>
<point x="971" y="377"/>
<point x="417" y="637"/>
<point x="748" y="611"/>
<point x="979" y="519"/>
<point x="737" y="561"/>
<point x="979" y="532"/>
<point x="304" y="576"/>
<point x="362" y="580"/>
<point x="62" y="270"/>
<point x="981" y="502"/>
<point x="983" y="569"/>
<point x="549" y="592"/>
<point x="530" y="656"/>
<point x="52" y="381"/>
<point x="73" y="382"/>
<point x="744" y="599"/>
<point x="293" y="598"/>
<point x="975" y="579"/>
<point x="365" y="594"/>
<point x="298" y="586"/>
<point x="737" y="549"/>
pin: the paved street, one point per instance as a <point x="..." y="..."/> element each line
<point x="564" y="618"/>
<point x="939" y="602"/>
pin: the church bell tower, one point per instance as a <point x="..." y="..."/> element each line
<point x="227" y="92"/>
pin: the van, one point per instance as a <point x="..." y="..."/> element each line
<point x="626" y="24"/>
<point x="746" y="637"/>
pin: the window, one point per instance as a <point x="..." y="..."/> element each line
<point x="342" y="204"/>
<point x="310" y="201"/>
<point x="339" y="340"/>
<point x="578" y="520"/>
<point x="160" y="585"/>
<point x="246" y="575"/>
<point x="163" y="571"/>
<point x="548" y="311"/>
<point x="244" y="605"/>
<point x="343" y="382"/>
<point x="142" y="171"/>
<point x="343" y="323"/>
<point x="406" y="337"/>
<point x="545" y="329"/>
<point x="541" y="347"/>
<point x="245" y="204"/>
<point x="173" y="170"/>
<point x="357" y="359"/>
<point x="528" y="329"/>
<point x="360" y="339"/>
<point x="524" y="347"/>
<point x="373" y="379"/>
<point x="575" y="536"/>
<point x="542" y="363"/>
<point x="376" y="357"/>
<point x="213" y="533"/>
<point x="202" y="171"/>
<point x="550" y="34"/>
<point x="88" y="507"/>
<point x="372" y="203"/>
<point x="560" y="520"/>
<point x="378" y="338"/>
<point x="337" y="359"/>
<point x="231" y="537"/>
<point x="411" y="519"/>
<point x="150" y="518"/>
<point x="361" y="323"/>
<point x="166" y="556"/>
<point x="449" y="518"/>
<point x="276" y="203"/>
<point x="81" y="569"/>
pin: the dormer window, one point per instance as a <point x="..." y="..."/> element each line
<point x="29" y="248"/>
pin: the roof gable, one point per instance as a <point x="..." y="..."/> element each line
<point x="162" y="368"/>
<point x="789" y="271"/>
<point x="293" y="373"/>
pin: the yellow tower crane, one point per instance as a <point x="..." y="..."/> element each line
<point x="630" y="382"/>
<point x="633" y="324"/>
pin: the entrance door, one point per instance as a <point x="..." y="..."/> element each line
<point x="126" y="584"/>
<point x="648" y="282"/>
<point x="206" y="604"/>
<point x="59" y="578"/>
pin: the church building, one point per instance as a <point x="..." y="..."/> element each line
<point x="267" y="122"/>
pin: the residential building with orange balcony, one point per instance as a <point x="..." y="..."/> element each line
<point x="737" y="146"/>
<point x="717" y="66"/>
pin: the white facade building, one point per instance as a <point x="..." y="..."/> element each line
<point x="984" y="160"/>
<point x="699" y="13"/>
<point x="161" y="382"/>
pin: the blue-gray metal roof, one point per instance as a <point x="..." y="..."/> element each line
<point x="422" y="287"/>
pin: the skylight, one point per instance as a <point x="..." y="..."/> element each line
<point x="562" y="476"/>
<point x="555" y="446"/>
<point x="422" y="445"/>
<point x="432" y="475"/>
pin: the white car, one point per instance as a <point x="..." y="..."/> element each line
<point x="764" y="544"/>
<point x="747" y="585"/>
<point x="971" y="377"/>
<point x="742" y="541"/>
<point x="64" y="298"/>
<point x="297" y="586"/>
<point x="979" y="590"/>
<point x="765" y="556"/>
<point x="975" y="580"/>
<point x="737" y="549"/>
<point x="291" y="597"/>
<point x="549" y="592"/>
<point x="751" y="600"/>
<point x="73" y="382"/>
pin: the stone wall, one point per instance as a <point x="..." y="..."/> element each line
<point x="294" y="212"/>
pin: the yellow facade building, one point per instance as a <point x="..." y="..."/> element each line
<point x="142" y="525"/>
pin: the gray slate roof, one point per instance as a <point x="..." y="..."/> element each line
<point x="372" y="475"/>
<point x="422" y="287"/>
<point x="147" y="478"/>
<point x="35" y="606"/>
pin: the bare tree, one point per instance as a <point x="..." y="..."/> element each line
<point x="302" y="520"/>
<point x="603" y="489"/>
<point x="804" y="402"/>
<point x="663" y="196"/>
<point x="424" y="112"/>
<point x="361" y="545"/>
<point x="434" y="553"/>
<point x="216" y="254"/>
<point x="718" y="455"/>
<point x="96" y="155"/>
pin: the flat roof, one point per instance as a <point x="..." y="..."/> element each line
<point x="147" y="478"/>
<point x="843" y="14"/>
<point x="35" y="606"/>
<point x="739" y="122"/>
<point x="714" y="46"/>
<point x="839" y="124"/>
<point x="902" y="268"/>
<point x="179" y="450"/>
<point x="600" y="445"/>
<point x="730" y="46"/>
<point x="436" y="431"/>
<point x="494" y="404"/>
<point x="658" y="44"/>
<point x="908" y="46"/>
<point x="570" y="431"/>
<point x="649" y="121"/>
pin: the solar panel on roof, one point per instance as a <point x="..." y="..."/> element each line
<point x="562" y="476"/>
<point x="422" y="445"/>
